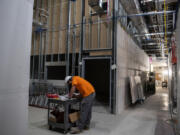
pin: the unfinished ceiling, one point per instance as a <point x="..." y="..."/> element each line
<point x="155" y="30"/>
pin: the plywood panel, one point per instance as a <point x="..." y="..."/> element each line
<point x="57" y="34"/>
<point x="56" y="43"/>
<point x="103" y="36"/>
<point x="63" y="39"/>
<point x="100" y="53"/>
<point x="86" y="43"/>
<point x="86" y="8"/>
<point x="49" y="47"/>
<point x="78" y="11"/>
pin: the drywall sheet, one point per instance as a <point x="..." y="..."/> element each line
<point x="139" y="87"/>
<point x="134" y="94"/>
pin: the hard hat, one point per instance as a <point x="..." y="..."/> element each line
<point x="67" y="79"/>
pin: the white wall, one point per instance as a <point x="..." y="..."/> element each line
<point x="130" y="58"/>
<point x="15" y="43"/>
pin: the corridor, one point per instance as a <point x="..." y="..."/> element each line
<point x="150" y="118"/>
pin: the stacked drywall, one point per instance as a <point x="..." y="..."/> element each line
<point x="131" y="60"/>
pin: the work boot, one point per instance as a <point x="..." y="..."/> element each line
<point x="86" y="127"/>
<point x="75" y="130"/>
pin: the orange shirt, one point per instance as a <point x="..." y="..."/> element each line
<point x="84" y="87"/>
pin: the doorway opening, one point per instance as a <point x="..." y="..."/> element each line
<point x="97" y="72"/>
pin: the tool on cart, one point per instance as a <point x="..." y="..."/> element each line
<point x="62" y="112"/>
<point x="52" y="95"/>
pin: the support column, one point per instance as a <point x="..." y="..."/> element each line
<point x="81" y="38"/>
<point x="68" y="39"/>
<point x="114" y="57"/>
<point x="15" y="45"/>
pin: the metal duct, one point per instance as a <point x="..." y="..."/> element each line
<point x="145" y="29"/>
<point x="15" y="37"/>
<point x="133" y="7"/>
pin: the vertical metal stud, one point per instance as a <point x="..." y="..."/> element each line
<point x="46" y="41"/>
<point x="53" y="27"/>
<point x="34" y="52"/>
<point x="60" y="23"/>
<point x="68" y="37"/>
<point x="114" y="56"/>
<point x="81" y="37"/>
<point x="90" y="29"/>
<point x="74" y="42"/>
<point x="99" y="32"/>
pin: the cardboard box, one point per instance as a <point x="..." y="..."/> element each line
<point x="74" y="116"/>
<point x="52" y="119"/>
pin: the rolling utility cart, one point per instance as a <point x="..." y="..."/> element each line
<point x="65" y="125"/>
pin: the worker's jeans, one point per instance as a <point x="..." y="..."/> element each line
<point x="86" y="111"/>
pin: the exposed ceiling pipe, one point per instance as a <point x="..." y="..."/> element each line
<point x="152" y="26"/>
<point x="160" y="1"/>
<point x="150" y="44"/>
<point x="144" y="25"/>
<point x="158" y="49"/>
<point x="151" y="13"/>
<point x="151" y="34"/>
<point x="157" y="18"/>
<point x="167" y="1"/>
<point x="158" y="8"/>
<point x="152" y="49"/>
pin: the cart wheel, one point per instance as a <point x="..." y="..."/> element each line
<point x="50" y="127"/>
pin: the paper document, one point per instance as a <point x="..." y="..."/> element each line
<point x="64" y="97"/>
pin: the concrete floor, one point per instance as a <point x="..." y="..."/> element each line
<point x="150" y="118"/>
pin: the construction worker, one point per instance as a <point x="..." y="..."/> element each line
<point x="87" y="92"/>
